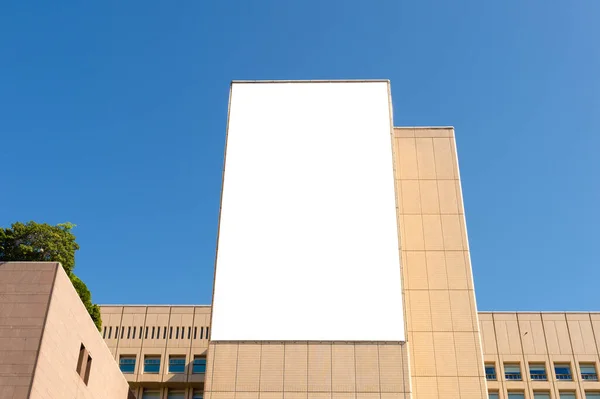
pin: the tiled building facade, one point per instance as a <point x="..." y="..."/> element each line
<point x="451" y="350"/>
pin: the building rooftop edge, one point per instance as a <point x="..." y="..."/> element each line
<point x="312" y="81"/>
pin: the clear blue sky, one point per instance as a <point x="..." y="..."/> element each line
<point x="112" y="116"/>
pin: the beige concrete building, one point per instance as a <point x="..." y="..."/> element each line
<point x="448" y="349"/>
<point x="49" y="345"/>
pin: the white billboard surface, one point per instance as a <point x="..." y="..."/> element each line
<point x="308" y="243"/>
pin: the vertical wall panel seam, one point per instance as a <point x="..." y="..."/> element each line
<point x="550" y="364"/>
<point x="574" y="368"/>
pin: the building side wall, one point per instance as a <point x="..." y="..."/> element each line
<point x="68" y="326"/>
<point x="162" y="331"/>
<point x="524" y="339"/>
<point x="441" y="316"/>
<point x="25" y="289"/>
<point x="307" y="370"/>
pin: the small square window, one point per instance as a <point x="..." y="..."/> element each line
<point x="588" y="372"/>
<point x="493" y="395"/>
<point x="541" y="395"/>
<point x="177" y="364"/>
<point x="199" y="365"/>
<point x="152" y="364"/>
<point x="516" y="395"/>
<point x="537" y="372"/>
<point x="512" y="371"/>
<point x="567" y="395"/>
<point x="127" y="364"/>
<point x="592" y="395"/>
<point x="490" y="372"/>
<point x="563" y="371"/>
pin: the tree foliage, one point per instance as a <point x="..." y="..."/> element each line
<point x="35" y="242"/>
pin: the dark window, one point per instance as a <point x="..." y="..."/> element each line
<point x="165" y="332"/>
<point x="88" y="368"/>
<point x="207" y="328"/>
<point x="176" y="332"/>
<point x="109" y="332"/>
<point x="141" y="329"/>
<point x="153" y="329"/>
<point x="199" y="365"/>
<point x="182" y="332"/>
<point x="80" y="359"/>
<point x="177" y="364"/>
<point x="128" y="332"/>
<point x="189" y="332"/>
<point x="197" y="394"/>
<point x="195" y="332"/>
<point x="170" y="332"/>
<point x="541" y="395"/>
<point x="567" y="395"/>
<point x="493" y="395"/>
<point x="538" y="372"/>
<point x="104" y="333"/>
<point x="175" y="394"/>
<point x="127" y="364"/>
<point x="490" y="372"/>
<point x="588" y="372"/>
<point x="563" y="371"/>
<point x="516" y="395"/>
<point x="152" y="364"/>
<point x="201" y="332"/>
<point x="122" y="332"/>
<point x="592" y="395"/>
<point x="133" y="335"/>
<point x="512" y="372"/>
<point x="146" y="334"/>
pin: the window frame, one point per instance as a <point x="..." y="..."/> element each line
<point x="199" y="361"/>
<point x="563" y="376"/>
<point x="508" y="375"/>
<point x="148" y="361"/>
<point x="174" y="360"/>
<point x="127" y="357"/>
<point x="588" y="376"/>
<point x="538" y="376"/>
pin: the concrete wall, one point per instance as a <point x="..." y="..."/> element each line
<point x="24" y="296"/>
<point x="541" y="338"/>
<point x="68" y="325"/>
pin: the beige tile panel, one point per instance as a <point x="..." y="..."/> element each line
<point x="294" y="395"/>
<point x="445" y="354"/>
<point x="343" y="371"/>
<point x="404" y="132"/>
<point x="296" y="367"/>
<point x="411" y="197"/>
<point x="209" y="368"/>
<point x="423" y="354"/>
<point x="367" y="368"/>
<point x="459" y="278"/>
<point x="432" y="232"/>
<point x="452" y="232"/>
<point x="445" y="160"/>
<point x="430" y="200"/>
<point x="508" y="337"/>
<point x="448" y="199"/>
<point x="365" y="395"/>
<point x="271" y="367"/>
<point x="470" y="388"/>
<point x="463" y="310"/>
<point x="225" y="361"/>
<point x="248" y="374"/>
<point x="433" y="132"/>
<point x="441" y="314"/>
<point x="426" y="388"/>
<point x="418" y="310"/>
<point x="244" y="395"/>
<point x="271" y="395"/>
<point x="412" y="232"/>
<point x="425" y="158"/>
<point x="436" y="270"/>
<point x="467" y="354"/>
<point x="406" y="151"/>
<point x="319" y="395"/>
<point x="448" y="387"/>
<point x="391" y="368"/>
<point x="343" y="395"/>
<point x="582" y="337"/>
<point x="319" y="367"/>
<point x="416" y="270"/>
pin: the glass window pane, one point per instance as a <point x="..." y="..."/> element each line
<point x="197" y="394"/>
<point x="563" y="371"/>
<point x="127" y="364"/>
<point x="538" y="371"/>
<point x="151" y="395"/>
<point x="541" y="395"/>
<point x="177" y="364"/>
<point x="592" y="395"/>
<point x="199" y="365"/>
<point x="567" y="395"/>
<point x="493" y="395"/>
<point x="588" y="372"/>
<point x="516" y="395"/>
<point x="176" y="394"/>
<point x="152" y="364"/>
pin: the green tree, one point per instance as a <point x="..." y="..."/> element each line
<point x="35" y="242"/>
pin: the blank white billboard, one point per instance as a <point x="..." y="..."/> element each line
<point x="308" y="242"/>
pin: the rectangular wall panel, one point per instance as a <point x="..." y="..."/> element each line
<point x="308" y="228"/>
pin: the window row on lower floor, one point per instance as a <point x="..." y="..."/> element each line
<point x="546" y="395"/>
<point x="537" y="371"/>
<point x="171" y="394"/>
<point x="177" y="364"/>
